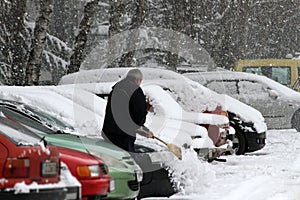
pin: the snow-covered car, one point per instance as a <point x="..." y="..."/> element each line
<point x="249" y="125"/>
<point x="27" y="166"/>
<point x="90" y="171"/>
<point x="279" y="104"/>
<point x="126" y="173"/>
<point x="154" y="173"/>
<point x="164" y="111"/>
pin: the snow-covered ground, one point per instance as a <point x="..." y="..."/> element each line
<point x="272" y="173"/>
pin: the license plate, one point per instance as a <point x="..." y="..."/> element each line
<point x="49" y="169"/>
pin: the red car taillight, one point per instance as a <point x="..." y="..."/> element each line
<point x="16" y="168"/>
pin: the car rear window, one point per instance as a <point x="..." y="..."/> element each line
<point x="17" y="133"/>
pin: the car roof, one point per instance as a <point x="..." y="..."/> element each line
<point x="115" y="74"/>
<point x="206" y="77"/>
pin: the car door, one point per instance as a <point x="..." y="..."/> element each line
<point x="266" y="100"/>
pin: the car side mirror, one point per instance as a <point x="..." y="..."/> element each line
<point x="273" y="94"/>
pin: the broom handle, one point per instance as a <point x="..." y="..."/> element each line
<point x="142" y="130"/>
<point x="160" y="140"/>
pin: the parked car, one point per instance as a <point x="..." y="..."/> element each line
<point x="154" y="174"/>
<point x="284" y="71"/>
<point x="125" y="172"/>
<point x="249" y="125"/>
<point x="279" y="104"/>
<point x="90" y="171"/>
<point x="41" y="96"/>
<point x="29" y="170"/>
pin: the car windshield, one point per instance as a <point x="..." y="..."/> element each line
<point x="17" y="133"/>
<point x="41" y="123"/>
<point x="52" y="122"/>
<point x="281" y="74"/>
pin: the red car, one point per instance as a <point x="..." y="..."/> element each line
<point x="28" y="169"/>
<point x="90" y="171"/>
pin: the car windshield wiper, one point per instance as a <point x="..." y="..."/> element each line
<point x="44" y="141"/>
<point x="60" y="132"/>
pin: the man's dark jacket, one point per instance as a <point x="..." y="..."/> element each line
<point x="126" y="111"/>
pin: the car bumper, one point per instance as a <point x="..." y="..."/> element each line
<point x="35" y="194"/>
<point x="256" y="141"/>
<point x="153" y="183"/>
<point x="73" y="193"/>
<point x="126" y="185"/>
<point x="95" y="187"/>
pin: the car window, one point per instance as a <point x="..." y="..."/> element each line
<point x="17" y="133"/>
<point x="251" y="89"/>
<point x="281" y="74"/>
<point x="224" y="87"/>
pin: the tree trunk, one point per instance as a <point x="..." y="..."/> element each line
<point x="141" y="8"/>
<point x="17" y="44"/>
<point x="81" y="39"/>
<point x="40" y="34"/>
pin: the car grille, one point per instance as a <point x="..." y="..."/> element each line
<point x="133" y="185"/>
<point x="103" y="168"/>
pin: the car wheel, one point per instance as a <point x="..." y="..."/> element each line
<point x="239" y="143"/>
<point x="296" y="120"/>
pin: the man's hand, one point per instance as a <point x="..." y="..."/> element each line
<point x="145" y="132"/>
<point x="150" y="134"/>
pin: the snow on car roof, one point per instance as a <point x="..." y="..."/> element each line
<point x="193" y="95"/>
<point x="115" y="74"/>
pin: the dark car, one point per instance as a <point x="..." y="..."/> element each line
<point x="28" y="169"/>
<point x="155" y="175"/>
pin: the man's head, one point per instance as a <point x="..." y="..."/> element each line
<point x="136" y="75"/>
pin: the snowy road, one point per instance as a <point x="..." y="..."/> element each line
<point x="272" y="173"/>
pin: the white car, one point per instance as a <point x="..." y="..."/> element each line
<point x="279" y="104"/>
<point x="248" y="122"/>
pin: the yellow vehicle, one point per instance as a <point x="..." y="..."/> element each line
<point x="284" y="71"/>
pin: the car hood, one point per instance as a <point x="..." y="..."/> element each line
<point x="93" y="146"/>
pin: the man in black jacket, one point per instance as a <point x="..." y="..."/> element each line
<point x="126" y="112"/>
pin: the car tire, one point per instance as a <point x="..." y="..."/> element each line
<point x="296" y="120"/>
<point x="240" y="145"/>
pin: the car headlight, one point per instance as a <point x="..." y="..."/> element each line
<point x="88" y="171"/>
<point x="112" y="185"/>
<point x="139" y="175"/>
<point x="110" y="161"/>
